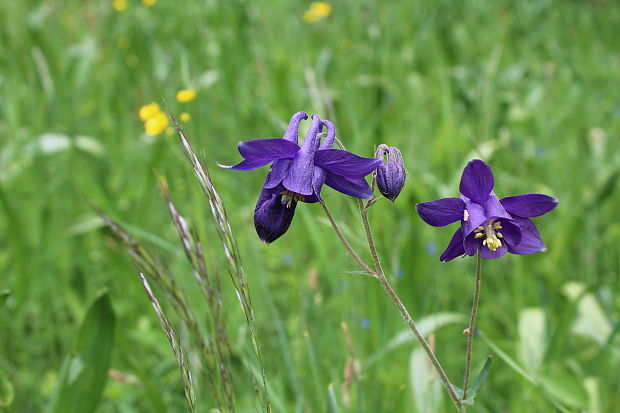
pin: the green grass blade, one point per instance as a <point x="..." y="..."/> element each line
<point x="85" y="370"/>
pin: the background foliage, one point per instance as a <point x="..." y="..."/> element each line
<point x="530" y="86"/>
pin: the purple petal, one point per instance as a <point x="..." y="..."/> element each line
<point x="267" y="149"/>
<point x="272" y="218"/>
<point x="331" y="135"/>
<point x="493" y="208"/>
<point x="490" y="255"/>
<point x="479" y="214"/>
<point x="291" y="133"/>
<point x="477" y="181"/>
<point x="455" y="247"/>
<point x="318" y="179"/>
<point x="277" y="172"/>
<point x="357" y="187"/>
<point x="245" y="165"/>
<point x="299" y="176"/>
<point x="345" y="163"/>
<point x="531" y="241"/>
<point x="511" y="232"/>
<point x="529" y="205"/>
<point x="473" y="244"/>
<point x="475" y="216"/>
<point x="441" y="212"/>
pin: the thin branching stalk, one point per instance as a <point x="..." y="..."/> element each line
<point x="401" y="307"/>
<point x="472" y="325"/>
<point x="380" y="275"/>
<point x="346" y="243"/>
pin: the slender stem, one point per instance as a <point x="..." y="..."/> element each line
<point x="346" y="243"/>
<point x="472" y="325"/>
<point x="403" y="310"/>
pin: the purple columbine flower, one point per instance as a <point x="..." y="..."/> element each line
<point x="488" y="225"/>
<point x="391" y="174"/>
<point x="298" y="173"/>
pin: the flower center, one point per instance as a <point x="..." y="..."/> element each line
<point x="490" y="233"/>
<point x="289" y="196"/>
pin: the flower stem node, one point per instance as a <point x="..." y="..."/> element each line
<point x="391" y="174"/>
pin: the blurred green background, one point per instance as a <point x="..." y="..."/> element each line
<point x="531" y="87"/>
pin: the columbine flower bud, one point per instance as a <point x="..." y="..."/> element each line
<point x="391" y="174"/>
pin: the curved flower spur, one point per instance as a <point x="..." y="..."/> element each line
<point x="298" y="173"/>
<point x="488" y="225"/>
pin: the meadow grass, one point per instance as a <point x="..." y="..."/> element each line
<point x="530" y="87"/>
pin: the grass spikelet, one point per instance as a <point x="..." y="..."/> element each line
<point x="231" y="251"/>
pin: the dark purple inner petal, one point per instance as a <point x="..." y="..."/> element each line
<point x="477" y="181"/>
<point x="511" y="232"/>
<point x="529" y="205"/>
<point x="489" y="254"/>
<point x="471" y="244"/>
<point x="357" y="187"/>
<point x="455" y="247"/>
<point x="272" y="217"/>
<point x="441" y="212"/>
<point x="345" y="163"/>
<point x="531" y="241"/>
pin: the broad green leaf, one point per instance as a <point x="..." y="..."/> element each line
<point x="425" y="384"/>
<point x="4" y="295"/>
<point x="7" y="391"/>
<point x="85" y="370"/>
<point x="332" y="401"/>
<point x="591" y="320"/>
<point x="532" y="338"/>
<point x="479" y="380"/>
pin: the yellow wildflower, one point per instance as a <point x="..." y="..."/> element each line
<point x="120" y="5"/>
<point x="185" y="117"/>
<point x="149" y="3"/>
<point x="169" y="131"/>
<point x="157" y="124"/>
<point x="149" y="111"/>
<point x="317" y="11"/>
<point x="186" y="95"/>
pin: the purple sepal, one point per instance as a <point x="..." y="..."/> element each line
<point x="441" y="212"/>
<point x="455" y="247"/>
<point x="477" y="181"/>
<point x="529" y="205"/>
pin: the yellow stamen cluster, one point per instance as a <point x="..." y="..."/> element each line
<point x="155" y="121"/>
<point x="491" y="235"/>
<point x="290" y="196"/>
<point x="317" y="11"/>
